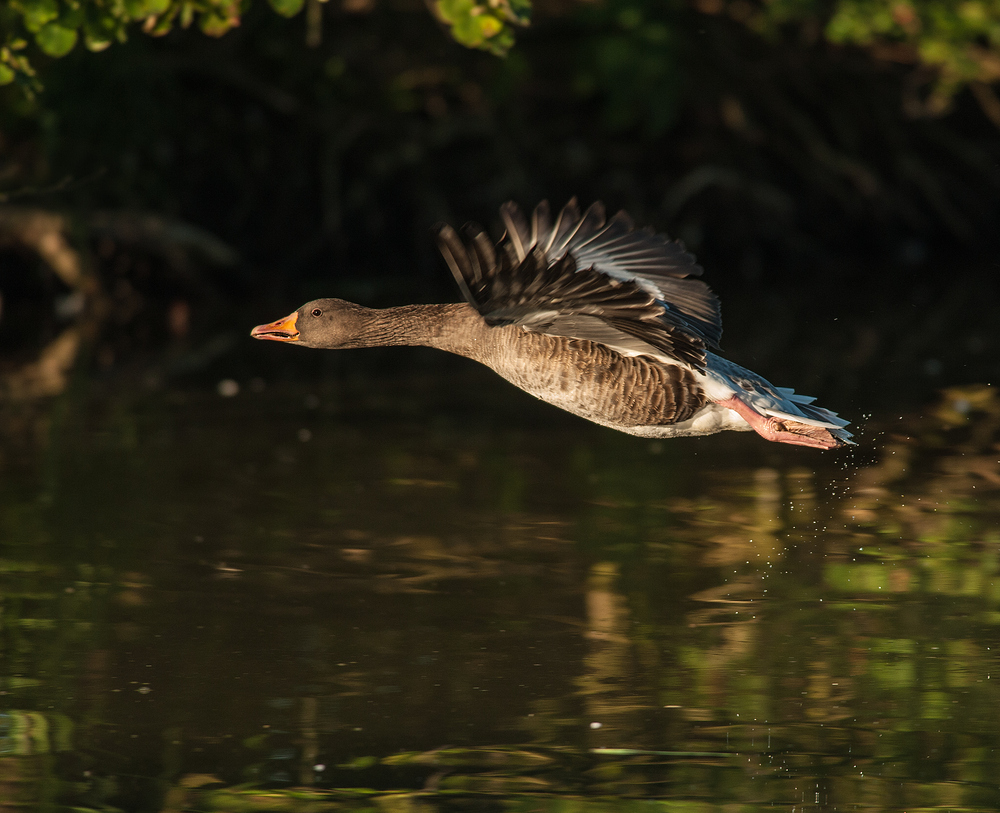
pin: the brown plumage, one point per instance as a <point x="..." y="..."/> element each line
<point x="591" y="315"/>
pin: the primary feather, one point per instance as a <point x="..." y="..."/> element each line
<point x="636" y="286"/>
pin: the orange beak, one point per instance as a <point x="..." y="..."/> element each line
<point x="281" y="331"/>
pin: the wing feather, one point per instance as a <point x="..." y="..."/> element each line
<point x="587" y="277"/>
<point x="541" y="224"/>
<point x="517" y="230"/>
<point x="566" y="223"/>
<point x="457" y="259"/>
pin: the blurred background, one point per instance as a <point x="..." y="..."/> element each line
<point x="236" y="575"/>
<point x="836" y="161"/>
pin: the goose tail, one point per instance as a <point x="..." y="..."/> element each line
<point x="776" y="413"/>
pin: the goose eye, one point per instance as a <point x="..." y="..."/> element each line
<point x="317" y="312"/>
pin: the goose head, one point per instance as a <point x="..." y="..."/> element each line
<point x="322" y="323"/>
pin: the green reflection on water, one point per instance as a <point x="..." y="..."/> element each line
<point x="308" y="599"/>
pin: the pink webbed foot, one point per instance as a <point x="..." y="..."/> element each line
<point x="799" y="434"/>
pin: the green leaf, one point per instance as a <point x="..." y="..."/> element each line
<point x="215" y="25"/>
<point x="501" y="43"/>
<point x="451" y="11"/>
<point x="163" y="25"/>
<point x="39" y="12"/>
<point x="96" y="42"/>
<point x="72" y="18"/>
<point x="100" y="32"/>
<point x="489" y="26"/>
<point x="55" y="40"/>
<point x="515" y="11"/>
<point x="287" y="8"/>
<point x="483" y="26"/>
<point x="140" y="9"/>
<point x="6" y="75"/>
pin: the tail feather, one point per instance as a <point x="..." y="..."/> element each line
<point x="792" y="395"/>
<point x="824" y="415"/>
<point x="796" y="412"/>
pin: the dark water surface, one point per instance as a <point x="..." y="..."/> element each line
<point x="356" y="596"/>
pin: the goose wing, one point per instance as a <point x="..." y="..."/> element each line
<point x="586" y="277"/>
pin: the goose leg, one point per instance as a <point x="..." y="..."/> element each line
<point x="772" y="429"/>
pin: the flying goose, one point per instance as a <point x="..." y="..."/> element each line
<point x="591" y="315"/>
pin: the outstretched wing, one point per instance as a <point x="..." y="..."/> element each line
<point x="658" y="264"/>
<point x="588" y="278"/>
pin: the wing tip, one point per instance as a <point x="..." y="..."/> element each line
<point x="456" y="257"/>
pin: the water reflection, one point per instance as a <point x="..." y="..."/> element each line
<point x="322" y="599"/>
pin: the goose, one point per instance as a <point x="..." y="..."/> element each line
<point x="587" y="313"/>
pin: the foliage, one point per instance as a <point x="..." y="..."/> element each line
<point x="484" y="25"/>
<point x="55" y="26"/>
<point x="960" y="40"/>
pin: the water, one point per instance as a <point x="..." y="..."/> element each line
<point x="426" y="591"/>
